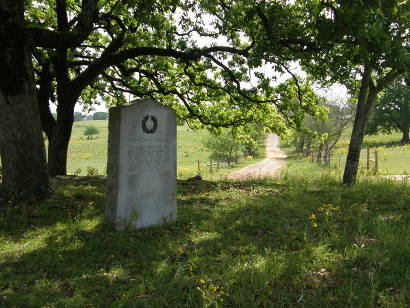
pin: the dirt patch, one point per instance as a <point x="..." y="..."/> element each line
<point x="275" y="160"/>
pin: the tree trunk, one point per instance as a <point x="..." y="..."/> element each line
<point x="60" y="137"/>
<point x="308" y="146"/>
<point x="302" y="144"/>
<point x="326" y="156"/>
<point x="367" y="96"/>
<point x="43" y="96"/>
<point x="21" y="141"/>
<point x="319" y="154"/>
<point x="405" y="138"/>
<point x="67" y="95"/>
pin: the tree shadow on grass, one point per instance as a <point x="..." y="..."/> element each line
<point x="73" y="198"/>
<point x="255" y="240"/>
<point x="387" y="144"/>
<point x="76" y="198"/>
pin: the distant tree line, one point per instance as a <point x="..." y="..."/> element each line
<point x="323" y="134"/>
<point x="392" y="111"/>
<point x="228" y="145"/>
<point x="78" y="116"/>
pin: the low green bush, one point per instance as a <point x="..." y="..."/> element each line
<point x="91" y="130"/>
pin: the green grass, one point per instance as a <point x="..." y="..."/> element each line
<point x="301" y="239"/>
<point x="84" y="153"/>
<point x="394" y="157"/>
<point x="189" y="167"/>
<point x="235" y="244"/>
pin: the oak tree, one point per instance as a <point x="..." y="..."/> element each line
<point x="24" y="172"/>
<point x="166" y="50"/>
<point x="392" y="111"/>
<point x="361" y="44"/>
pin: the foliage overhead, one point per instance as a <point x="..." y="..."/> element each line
<point x="361" y="44"/>
<point x="355" y="36"/>
<point x="199" y="57"/>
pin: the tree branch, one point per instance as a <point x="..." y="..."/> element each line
<point x="294" y="44"/>
<point x="59" y="39"/>
<point x="107" y="60"/>
<point x="388" y="78"/>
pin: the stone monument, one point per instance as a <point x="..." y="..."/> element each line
<point x="141" y="167"/>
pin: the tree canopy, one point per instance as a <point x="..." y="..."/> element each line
<point x="206" y="59"/>
<point x="198" y="58"/>
<point x="361" y="44"/>
<point x="392" y="111"/>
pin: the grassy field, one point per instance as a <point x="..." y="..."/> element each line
<point x="299" y="240"/>
<point x="394" y="157"/>
<point x="85" y="154"/>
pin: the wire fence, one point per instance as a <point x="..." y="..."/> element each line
<point x="214" y="166"/>
<point x="372" y="159"/>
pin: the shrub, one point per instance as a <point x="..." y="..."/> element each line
<point x="92" y="171"/>
<point x="77" y="172"/>
<point x="91" y="130"/>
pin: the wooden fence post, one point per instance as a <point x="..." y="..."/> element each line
<point x="210" y="167"/>
<point x="368" y="159"/>
<point x="217" y="165"/>
<point x="198" y="168"/>
<point x="376" y="162"/>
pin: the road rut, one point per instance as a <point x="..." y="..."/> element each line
<point x="275" y="160"/>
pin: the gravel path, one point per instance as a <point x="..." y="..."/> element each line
<point x="275" y="159"/>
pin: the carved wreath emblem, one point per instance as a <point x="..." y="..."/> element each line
<point x="154" y="124"/>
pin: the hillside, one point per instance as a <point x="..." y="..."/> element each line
<point x="89" y="156"/>
<point x="300" y="240"/>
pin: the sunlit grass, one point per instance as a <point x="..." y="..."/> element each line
<point x="92" y="153"/>
<point x="302" y="239"/>
<point x="393" y="156"/>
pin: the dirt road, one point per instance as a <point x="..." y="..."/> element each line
<point x="275" y="159"/>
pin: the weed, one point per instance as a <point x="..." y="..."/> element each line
<point x="92" y="171"/>
<point x="234" y="244"/>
